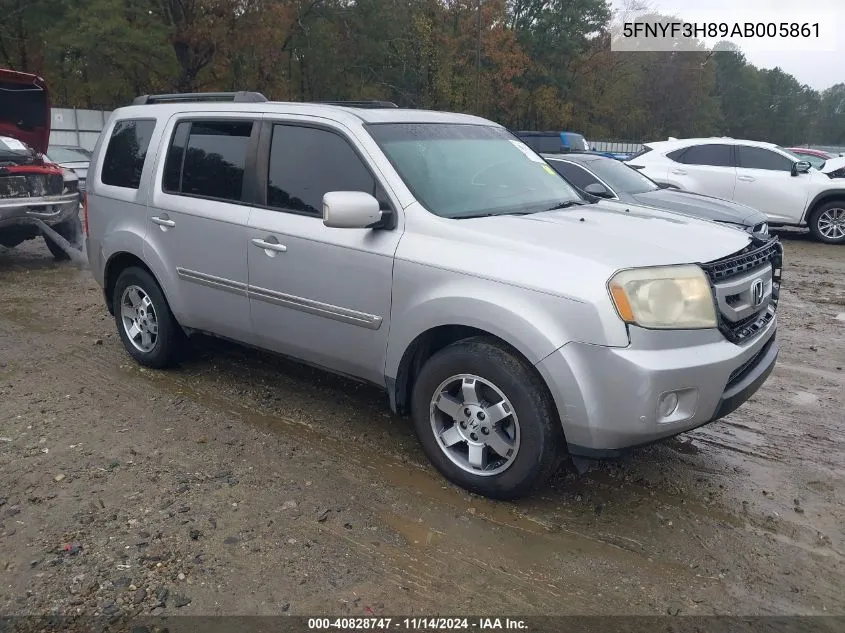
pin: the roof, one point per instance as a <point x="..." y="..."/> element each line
<point x="343" y="114"/>
<point x="722" y="140"/>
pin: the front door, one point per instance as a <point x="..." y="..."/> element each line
<point x="316" y="293"/>
<point x="765" y="181"/>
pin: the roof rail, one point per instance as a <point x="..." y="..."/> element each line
<point x="237" y="97"/>
<point x="361" y="104"/>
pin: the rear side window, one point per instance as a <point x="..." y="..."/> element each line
<point x="713" y="155"/>
<point x="577" y="176"/>
<point x="761" y="158"/>
<point x="645" y="150"/>
<point x="306" y="163"/>
<point x="127" y="152"/>
<point x="207" y="159"/>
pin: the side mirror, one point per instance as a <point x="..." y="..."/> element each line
<point x="801" y="167"/>
<point x="350" y="210"/>
<point x="598" y="189"/>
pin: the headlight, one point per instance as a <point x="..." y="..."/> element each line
<point x="838" y="173"/>
<point x="665" y="297"/>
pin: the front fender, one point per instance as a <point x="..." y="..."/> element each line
<point x="534" y="323"/>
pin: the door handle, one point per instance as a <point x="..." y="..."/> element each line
<point x="745" y="178"/>
<point x="269" y="246"/>
<point x="679" y="172"/>
<point x="164" y="223"/>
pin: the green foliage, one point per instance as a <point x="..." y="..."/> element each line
<point x="542" y="64"/>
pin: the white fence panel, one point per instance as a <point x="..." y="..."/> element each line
<point x="81" y="128"/>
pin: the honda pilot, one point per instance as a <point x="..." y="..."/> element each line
<point x="434" y="255"/>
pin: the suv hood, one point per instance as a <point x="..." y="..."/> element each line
<point x="701" y="206"/>
<point x="25" y="109"/>
<point x="606" y="235"/>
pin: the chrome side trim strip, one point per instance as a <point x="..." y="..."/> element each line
<point x="212" y="281"/>
<point x="345" y="315"/>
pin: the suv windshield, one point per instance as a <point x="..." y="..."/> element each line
<point x="621" y="177"/>
<point x="460" y="170"/>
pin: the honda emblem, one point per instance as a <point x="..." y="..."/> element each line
<point x="757" y="290"/>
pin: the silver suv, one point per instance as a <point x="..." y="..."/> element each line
<point x="437" y="256"/>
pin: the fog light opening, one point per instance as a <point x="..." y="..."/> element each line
<point x="667" y="404"/>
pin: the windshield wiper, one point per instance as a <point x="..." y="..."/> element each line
<point x="567" y="204"/>
<point x="490" y="215"/>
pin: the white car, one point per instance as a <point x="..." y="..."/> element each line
<point x="761" y="175"/>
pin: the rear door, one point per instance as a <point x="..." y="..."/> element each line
<point x="765" y="182"/>
<point x="316" y="293"/>
<point x="707" y="168"/>
<point x="198" y="218"/>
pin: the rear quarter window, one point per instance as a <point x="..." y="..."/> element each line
<point x="127" y="152"/>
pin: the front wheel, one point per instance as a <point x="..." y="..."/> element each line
<point x="827" y="224"/>
<point x="486" y="420"/>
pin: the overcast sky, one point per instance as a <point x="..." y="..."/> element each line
<point x="819" y="69"/>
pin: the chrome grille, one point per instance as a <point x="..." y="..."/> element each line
<point x="731" y="279"/>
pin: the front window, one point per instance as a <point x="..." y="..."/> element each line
<point x="458" y="170"/>
<point x="621" y="177"/>
<point x="752" y="157"/>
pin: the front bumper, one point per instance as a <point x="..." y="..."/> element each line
<point x="608" y="397"/>
<point x="51" y="210"/>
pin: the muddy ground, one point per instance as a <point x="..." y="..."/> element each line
<point x="242" y="483"/>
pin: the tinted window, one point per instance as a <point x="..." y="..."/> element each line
<point x="126" y="153"/>
<point x="175" y="157"/>
<point x="762" y="158"/>
<point x="577" y="176"/>
<point x="306" y="163"/>
<point x="713" y="155"/>
<point x="621" y="177"/>
<point x="215" y="158"/>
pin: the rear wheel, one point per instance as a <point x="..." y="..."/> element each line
<point x="71" y="230"/>
<point x="146" y="326"/>
<point x="827" y="224"/>
<point x="486" y="420"/>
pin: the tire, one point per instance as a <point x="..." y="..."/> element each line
<point x="145" y="305"/>
<point x="827" y="223"/>
<point x="71" y="230"/>
<point x="531" y="430"/>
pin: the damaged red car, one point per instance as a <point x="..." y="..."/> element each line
<point x="31" y="187"/>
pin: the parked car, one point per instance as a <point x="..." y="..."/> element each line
<point x="815" y="157"/>
<point x="436" y="256"/>
<point x="71" y="157"/>
<point x="31" y="187"/>
<point x="563" y="142"/>
<point x="761" y="175"/>
<point x="608" y="178"/>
